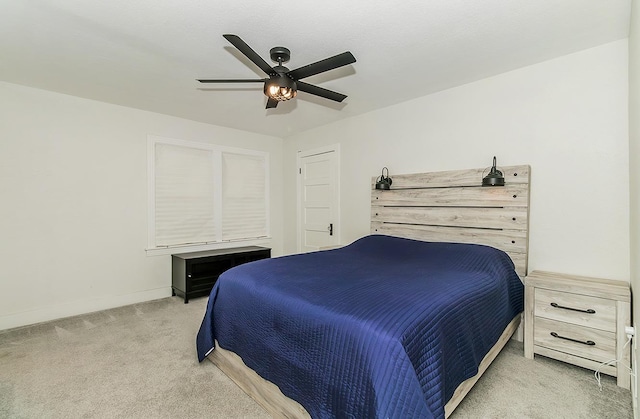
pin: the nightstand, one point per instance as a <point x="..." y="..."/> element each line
<point x="579" y="320"/>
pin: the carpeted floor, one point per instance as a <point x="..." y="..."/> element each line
<point x="139" y="362"/>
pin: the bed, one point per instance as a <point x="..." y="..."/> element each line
<point x="400" y="323"/>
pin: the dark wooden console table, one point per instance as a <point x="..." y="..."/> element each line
<point x="194" y="274"/>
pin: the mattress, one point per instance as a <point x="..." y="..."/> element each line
<point x="385" y="327"/>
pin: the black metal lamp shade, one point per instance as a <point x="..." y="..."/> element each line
<point x="384" y="182"/>
<point x="494" y="178"/>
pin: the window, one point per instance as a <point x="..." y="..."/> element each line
<point x="244" y="207"/>
<point x="201" y="194"/>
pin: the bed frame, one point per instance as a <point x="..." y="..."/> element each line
<point x="449" y="206"/>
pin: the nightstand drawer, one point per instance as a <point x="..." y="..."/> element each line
<point x="573" y="339"/>
<point x="582" y="310"/>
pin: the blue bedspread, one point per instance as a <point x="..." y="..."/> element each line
<point x="383" y="328"/>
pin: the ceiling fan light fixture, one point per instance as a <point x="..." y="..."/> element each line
<point x="280" y="88"/>
<point x="283" y="84"/>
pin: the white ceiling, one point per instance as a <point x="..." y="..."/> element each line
<point x="147" y="54"/>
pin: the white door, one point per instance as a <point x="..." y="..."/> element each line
<point x="318" y="198"/>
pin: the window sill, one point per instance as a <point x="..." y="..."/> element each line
<point x="174" y="250"/>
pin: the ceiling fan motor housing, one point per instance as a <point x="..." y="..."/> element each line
<point x="280" y="54"/>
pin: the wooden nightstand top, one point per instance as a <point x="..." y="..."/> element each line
<point x="597" y="287"/>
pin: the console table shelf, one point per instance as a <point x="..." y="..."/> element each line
<point x="194" y="274"/>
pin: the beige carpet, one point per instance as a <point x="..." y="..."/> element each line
<point x="139" y="362"/>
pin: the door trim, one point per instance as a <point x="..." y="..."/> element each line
<point x="308" y="153"/>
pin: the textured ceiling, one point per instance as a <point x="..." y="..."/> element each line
<point x="147" y="54"/>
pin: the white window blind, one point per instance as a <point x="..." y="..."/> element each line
<point x="243" y="196"/>
<point x="184" y="195"/>
<point x="202" y="194"/>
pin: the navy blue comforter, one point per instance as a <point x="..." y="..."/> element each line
<point x="383" y="328"/>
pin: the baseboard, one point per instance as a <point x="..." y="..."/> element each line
<point x="79" y="307"/>
<point x="634" y="377"/>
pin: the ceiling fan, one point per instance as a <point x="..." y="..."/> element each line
<point x="282" y="83"/>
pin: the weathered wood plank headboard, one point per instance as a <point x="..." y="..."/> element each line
<point x="452" y="206"/>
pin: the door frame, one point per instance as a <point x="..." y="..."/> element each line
<point x="308" y="153"/>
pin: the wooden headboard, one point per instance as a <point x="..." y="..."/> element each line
<point x="452" y="206"/>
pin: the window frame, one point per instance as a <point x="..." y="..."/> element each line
<point x="217" y="150"/>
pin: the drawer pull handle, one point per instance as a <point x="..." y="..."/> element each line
<point x="588" y="342"/>
<point x="588" y="311"/>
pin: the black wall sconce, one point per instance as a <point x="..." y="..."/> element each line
<point x="494" y="178"/>
<point x="384" y="182"/>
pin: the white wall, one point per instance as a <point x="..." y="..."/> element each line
<point x="73" y="187"/>
<point x="634" y="165"/>
<point x="566" y="117"/>
<point x="73" y="176"/>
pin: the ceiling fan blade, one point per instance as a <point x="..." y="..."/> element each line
<point x="324" y="65"/>
<point x="271" y="103"/>
<point x="233" y="81"/>
<point x="319" y="91"/>
<point x="249" y="53"/>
